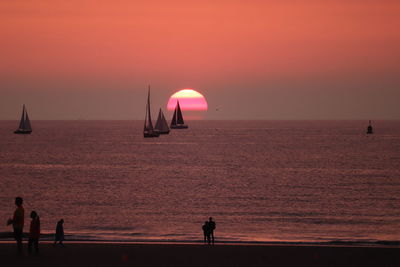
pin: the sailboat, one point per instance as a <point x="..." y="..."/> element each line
<point x="369" y="129"/>
<point x="161" y="124"/>
<point x="24" y="124"/>
<point x="148" y="130"/>
<point x="177" y="120"/>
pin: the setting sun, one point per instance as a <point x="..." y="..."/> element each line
<point x="189" y="99"/>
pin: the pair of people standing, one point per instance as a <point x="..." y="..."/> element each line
<point x="18" y="226"/>
<point x="208" y="231"/>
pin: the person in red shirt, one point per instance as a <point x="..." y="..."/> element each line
<point x="34" y="233"/>
<point x="18" y="223"/>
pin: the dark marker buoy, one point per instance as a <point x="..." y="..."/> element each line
<point x="369" y="128"/>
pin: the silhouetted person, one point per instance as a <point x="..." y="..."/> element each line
<point x="34" y="233"/>
<point x="18" y="222"/>
<point x="59" y="233"/>
<point x="212" y="226"/>
<point x="206" y="232"/>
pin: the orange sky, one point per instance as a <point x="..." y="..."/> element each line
<point x="278" y="59"/>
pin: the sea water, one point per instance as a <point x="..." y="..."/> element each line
<point x="261" y="181"/>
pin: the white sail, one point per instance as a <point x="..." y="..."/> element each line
<point x="173" y="121"/>
<point x="177" y="120"/>
<point x="179" y="117"/>
<point x="148" y="130"/>
<point x="27" y="122"/>
<point x="164" y="122"/>
<point x="158" y="122"/>
<point x="161" y="124"/>
<point x="22" y="122"/>
<point x="148" y="125"/>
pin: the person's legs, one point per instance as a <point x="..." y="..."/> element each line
<point x="36" y="244"/>
<point x="18" y="238"/>
<point x="212" y="237"/>
<point x="30" y="240"/>
<point x="57" y="240"/>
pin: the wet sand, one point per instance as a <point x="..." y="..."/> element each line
<point x="112" y="254"/>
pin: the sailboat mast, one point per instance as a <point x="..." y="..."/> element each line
<point x="145" y="117"/>
<point x="148" y="123"/>
<point x="22" y="122"/>
<point x="148" y="105"/>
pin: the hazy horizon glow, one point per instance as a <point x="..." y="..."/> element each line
<point x="252" y="59"/>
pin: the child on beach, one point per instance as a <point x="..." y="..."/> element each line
<point x="59" y="237"/>
<point x="34" y="233"/>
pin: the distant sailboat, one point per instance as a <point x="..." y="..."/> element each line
<point x="369" y="129"/>
<point x="177" y="120"/>
<point x="24" y="124"/>
<point x="161" y="124"/>
<point x="148" y="130"/>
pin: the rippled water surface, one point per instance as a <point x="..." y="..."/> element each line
<point x="296" y="181"/>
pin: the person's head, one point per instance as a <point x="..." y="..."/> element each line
<point x="18" y="201"/>
<point x="210" y="219"/>
<point x="61" y="221"/>
<point x="33" y="214"/>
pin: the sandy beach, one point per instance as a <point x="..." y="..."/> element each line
<point x="110" y="254"/>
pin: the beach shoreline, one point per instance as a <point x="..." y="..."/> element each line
<point x="387" y="244"/>
<point x="156" y="254"/>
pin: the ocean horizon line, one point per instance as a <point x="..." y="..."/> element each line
<point x="288" y="120"/>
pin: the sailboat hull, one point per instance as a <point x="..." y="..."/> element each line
<point x="164" y="132"/>
<point x="151" y="134"/>
<point x="179" y="126"/>
<point x="22" y="132"/>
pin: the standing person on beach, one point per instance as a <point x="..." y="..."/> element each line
<point x="59" y="237"/>
<point x="34" y="233"/>
<point x="18" y="222"/>
<point x="206" y="232"/>
<point x="212" y="226"/>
